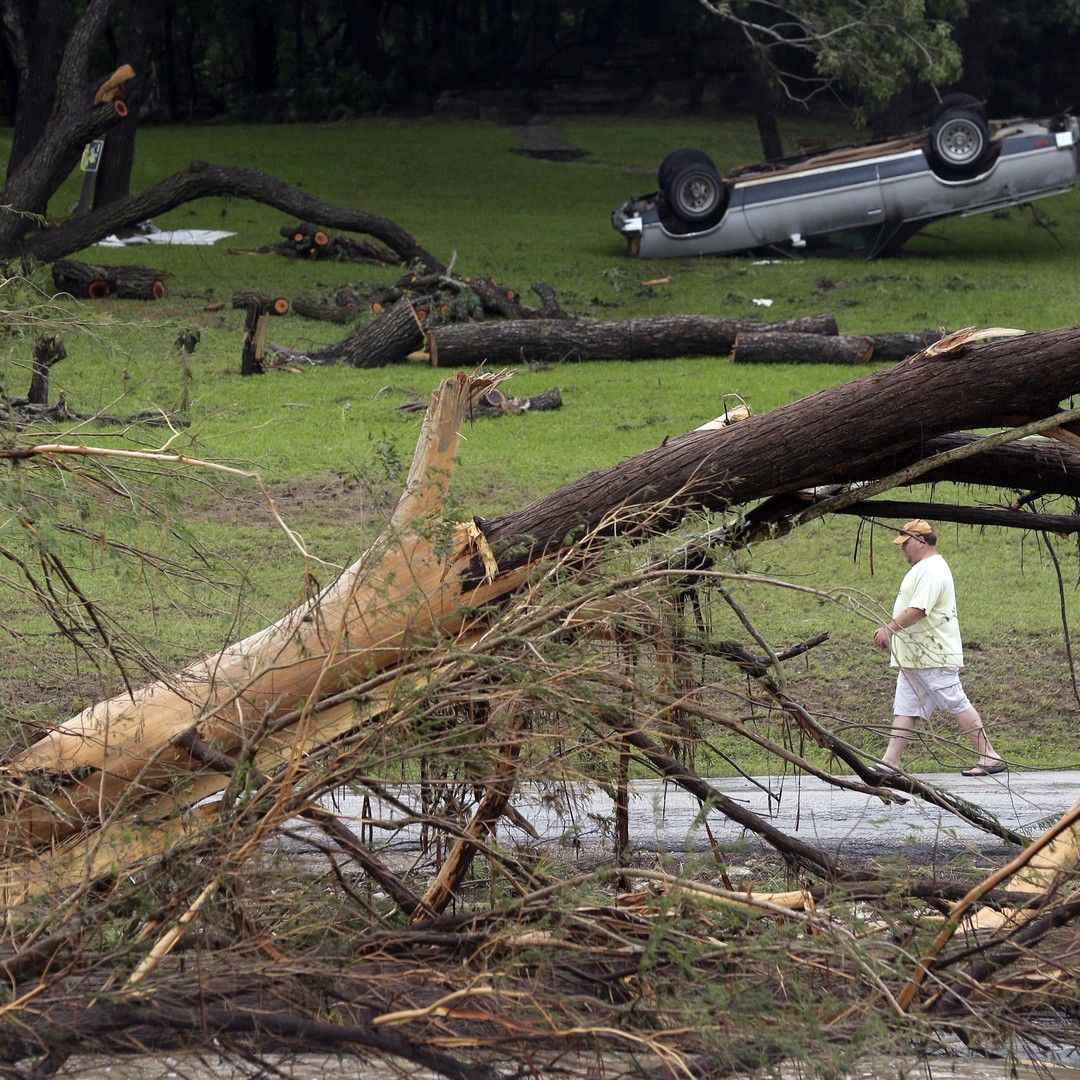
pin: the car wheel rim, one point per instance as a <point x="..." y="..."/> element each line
<point x="698" y="194"/>
<point x="960" y="142"/>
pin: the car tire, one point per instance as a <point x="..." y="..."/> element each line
<point x="678" y="160"/>
<point x="957" y="101"/>
<point x="959" y="142"/>
<point x="696" y="194"/>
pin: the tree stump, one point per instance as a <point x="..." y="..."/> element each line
<point x="259" y="310"/>
<point x="49" y="350"/>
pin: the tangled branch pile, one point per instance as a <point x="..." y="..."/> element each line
<point x="447" y="670"/>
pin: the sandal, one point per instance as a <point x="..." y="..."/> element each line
<point x="986" y="770"/>
<point x="879" y="772"/>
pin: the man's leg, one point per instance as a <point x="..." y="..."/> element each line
<point x="902" y="727"/>
<point x="970" y="723"/>
<point x="907" y="708"/>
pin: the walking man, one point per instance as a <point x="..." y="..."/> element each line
<point x="923" y="639"/>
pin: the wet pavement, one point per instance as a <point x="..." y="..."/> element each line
<point x="664" y="818"/>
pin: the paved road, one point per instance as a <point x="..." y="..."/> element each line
<point x="664" y="818"/>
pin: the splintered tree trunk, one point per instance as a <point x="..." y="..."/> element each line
<point x="259" y="309"/>
<point x="545" y="340"/>
<point x="425" y="579"/>
<point x="365" y="617"/>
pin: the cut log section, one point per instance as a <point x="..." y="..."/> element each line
<point x="783" y="347"/>
<point x="548" y="340"/>
<point x="98" y="282"/>
<point x="323" y="311"/>
<point x="314" y="242"/>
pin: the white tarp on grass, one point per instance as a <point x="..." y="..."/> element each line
<point x="149" y="233"/>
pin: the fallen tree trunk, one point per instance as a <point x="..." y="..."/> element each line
<point x="323" y="310"/>
<point x="846" y="432"/>
<point x="199" y="181"/>
<point x="1041" y="465"/>
<point x="541" y="340"/>
<point x="783" y="347"/>
<point x="871" y="509"/>
<point x="389" y="339"/>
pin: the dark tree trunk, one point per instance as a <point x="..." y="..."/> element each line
<point x="765" y="95"/>
<point x="783" y="348"/>
<point x="135" y="48"/>
<point x="43" y="162"/>
<point x="35" y="34"/>
<point x="198" y="181"/>
<point x="362" y="34"/>
<point x="264" y="46"/>
<point x="1042" y="465"/>
<point x="527" y="340"/>
<point x="323" y="311"/>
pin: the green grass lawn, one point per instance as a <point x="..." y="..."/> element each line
<point x="333" y="447"/>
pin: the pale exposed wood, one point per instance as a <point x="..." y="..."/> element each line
<point x="370" y="616"/>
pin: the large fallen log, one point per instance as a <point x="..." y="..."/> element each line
<point x="425" y="579"/>
<point x="846" y="432"/>
<point x="519" y="341"/>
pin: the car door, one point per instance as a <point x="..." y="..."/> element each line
<point x="830" y="194"/>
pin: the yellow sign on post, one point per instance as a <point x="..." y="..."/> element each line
<point x="91" y="155"/>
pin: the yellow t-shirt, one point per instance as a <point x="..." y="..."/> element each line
<point x="934" y="641"/>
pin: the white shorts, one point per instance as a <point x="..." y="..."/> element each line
<point x="919" y="691"/>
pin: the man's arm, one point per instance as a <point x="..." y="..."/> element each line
<point x="908" y="617"/>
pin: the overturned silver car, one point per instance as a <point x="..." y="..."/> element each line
<point x="881" y="192"/>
